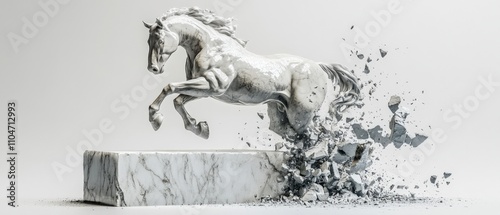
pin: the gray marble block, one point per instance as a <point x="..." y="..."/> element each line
<point x="144" y="178"/>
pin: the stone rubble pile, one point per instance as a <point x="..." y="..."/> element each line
<point x="333" y="162"/>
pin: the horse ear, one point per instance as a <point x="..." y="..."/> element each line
<point x="147" y="25"/>
<point x="159" y="23"/>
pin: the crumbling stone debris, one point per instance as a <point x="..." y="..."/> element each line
<point x="261" y="115"/>
<point x="377" y="136"/>
<point x="357" y="184"/>
<point x="366" y="70"/>
<point x="339" y="156"/>
<point x="359" y="131"/>
<point x="383" y="53"/>
<point x="312" y="193"/>
<point x="334" y="171"/>
<point x="417" y="140"/>
<point x="446" y="174"/>
<point x="334" y="162"/>
<point x="362" y="160"/>
<point x="318" y="151"/>
<point x="433" y="179"/>
<point x="398" y="129"/>
<point x="298" y="178"/>
<point x="278" y="146"/>
<point x="394" y="102"/>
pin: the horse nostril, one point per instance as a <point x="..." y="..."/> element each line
<point x="153" y="69"/>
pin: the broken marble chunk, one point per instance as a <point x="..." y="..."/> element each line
<point x="312" y="193"/>
<point x="446" y="174"/>
<point x="394" y="102"/>
<point x="383" y="53"/>
<point x="359" y="131"/>
<point x="408" y="138"/>
<point x="318" y="151"/>
<point x="418" y="139"/>
<point x="361" y="56"/>
<point x="366" y="70"/>
<point x="323" y="196"/>
<point x="305" y="169"/>
<point x="316" y="188"/>
<point x="323" y="177"/>
<point x="261" y="115"/>
<point x="433" y="179"/>
<point x="298" y="179"/>
<point x="398" y="129"/>
<point x="334" y="171"/>
<point x="309" y="196"/>
<point x="362" y="159"/>
<point x="372" y="90"/>
<point x="348" y="149"/>
<point x="278" y="146"/>
<point x="285" y="168"/>
<point x="401" y="114"/>
<point x="325" y="166"/>
<point x="316" y="172"/>
<point x="376" y="135"/>
<point x="357" y="184"/>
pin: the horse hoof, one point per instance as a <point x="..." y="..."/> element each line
<point x="157" y="120"/>
<point x="204" y="131"/>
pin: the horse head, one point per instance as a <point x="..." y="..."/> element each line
<point x="162" y="43"/>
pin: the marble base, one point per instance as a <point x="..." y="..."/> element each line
<point x="143" y="178"/>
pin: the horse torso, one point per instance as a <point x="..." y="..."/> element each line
<point x="255" y="79"/>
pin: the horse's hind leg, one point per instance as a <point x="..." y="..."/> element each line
<point x="200" y="129"/>
<point x="303" y="106"/>
<point x="278" y="121"/>
<point x="300" y="118"/>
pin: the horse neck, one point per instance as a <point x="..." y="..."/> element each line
<point x="193" y="34"/>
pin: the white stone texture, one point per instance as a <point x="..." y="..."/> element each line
<point x="181" y="177"/>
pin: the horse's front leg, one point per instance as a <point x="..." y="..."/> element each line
<point x="198" y="86"/>
<point x="156" y="118"/>
<point x="213" y="82"/>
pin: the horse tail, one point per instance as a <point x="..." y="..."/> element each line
<point x="349" y="87"/>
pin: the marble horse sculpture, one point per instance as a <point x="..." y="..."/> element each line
<point x="219" y="66"/>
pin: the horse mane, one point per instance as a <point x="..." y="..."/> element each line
<point x="220" y="24"/>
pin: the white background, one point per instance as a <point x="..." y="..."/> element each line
<point x="91" y="53"/>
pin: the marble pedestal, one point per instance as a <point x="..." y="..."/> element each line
<point x="143" y="178"/>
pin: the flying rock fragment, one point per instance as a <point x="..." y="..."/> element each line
<point x="433" y="179"/>
<point x="359" y="131"/>
<point x="366" y="70"/>
<point x="383" y="53"/>
<point x="398" y="129"/>
<point x="394" y="103"/>
<point x="418" y="139"/>
<point x="261" y="115"/>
